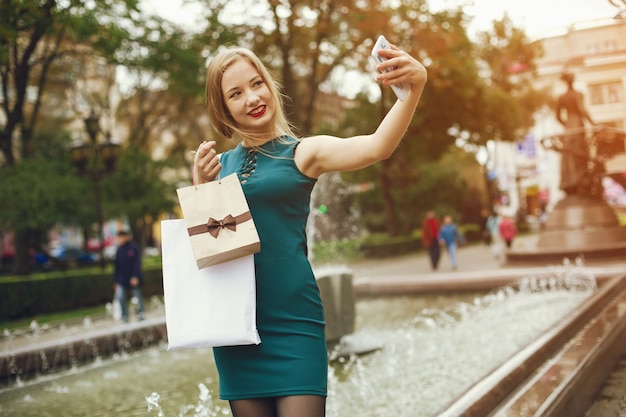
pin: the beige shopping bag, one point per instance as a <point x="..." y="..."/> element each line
<point x="218" y="220"/>
<point x="214" y="306"/>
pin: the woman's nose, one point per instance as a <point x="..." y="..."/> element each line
<point x="252" y="98"/>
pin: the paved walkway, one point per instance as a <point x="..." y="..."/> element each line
<point x="476" y="264"/>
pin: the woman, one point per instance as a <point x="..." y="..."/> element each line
<point x="286" y="375"/>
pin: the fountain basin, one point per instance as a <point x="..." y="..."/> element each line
<point x="516" y="372"/>
<point x="562" y="372"/>
<point x="61" y="351"/>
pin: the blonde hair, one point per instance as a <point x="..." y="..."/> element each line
<point x="221" y="120"/>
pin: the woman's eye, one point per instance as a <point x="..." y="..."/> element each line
<point x="257" y="83"/>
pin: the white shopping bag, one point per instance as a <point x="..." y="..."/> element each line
<point x="213" y="306"/>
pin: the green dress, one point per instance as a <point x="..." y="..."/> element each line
<point x="292" y="358"/>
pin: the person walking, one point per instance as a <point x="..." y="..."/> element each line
<point x="493" y="226"/>
<point x="450" y="237"/>
<point x="128" y="275"/>
<point x="508" y="230"/>
<point x="430" y="240"/>
<point x="285" y="375"/>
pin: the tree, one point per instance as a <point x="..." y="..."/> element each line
<point x="164" y="108"/>
<point x="37" y="38"/>
<point x="305" y="42"/>
<point x="35" y="195"/>
<point x="137" y="191"/>
<point x="37" y="35"/>
<point x="509" y="100"/>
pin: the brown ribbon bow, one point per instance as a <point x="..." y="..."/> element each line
<point x="216" y="225"/>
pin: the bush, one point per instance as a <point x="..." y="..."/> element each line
<point x="28" y="296"/>
<point x="335" y="251"/>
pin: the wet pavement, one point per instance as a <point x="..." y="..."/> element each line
<point x="478" y="269"/>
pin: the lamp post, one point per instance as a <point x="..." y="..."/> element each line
<point x="96" y="159"/>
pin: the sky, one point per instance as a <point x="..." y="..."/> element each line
<point x="538" y="17"/>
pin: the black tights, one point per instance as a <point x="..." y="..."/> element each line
<point x="291" y="406"/>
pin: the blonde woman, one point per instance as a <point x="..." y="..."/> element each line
<point x="286" y="375"/>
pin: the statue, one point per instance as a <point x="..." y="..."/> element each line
<point x="572" y="114"/>
<point x="584" y="150"/>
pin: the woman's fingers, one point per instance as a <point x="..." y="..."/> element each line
<point x="207" y="161"/>
<point x="400" y="68"/>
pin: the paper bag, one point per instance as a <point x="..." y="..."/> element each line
<point x="214" y="306"/>
<point x="218" y="221"/>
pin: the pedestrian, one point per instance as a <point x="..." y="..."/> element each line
<point x="285" y="375"/>
<point x="508" y="230"/>
<point x="450" y="236"/>
<point x="493" y="226"/>
<point x="128" y="275"/>
<point x="430" y="233"/>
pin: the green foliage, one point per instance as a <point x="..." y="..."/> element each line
<point x="435" y="186"/>
<point x="37" y="35"/>
<point x="137" y="191"/>
<point x="70" y="290"/>
<point x="38" y="193"/>
<point x="335" y="251"/>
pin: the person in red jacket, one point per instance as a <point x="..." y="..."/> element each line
<point x="508" y="230"/>
<point x="430" y="233"/>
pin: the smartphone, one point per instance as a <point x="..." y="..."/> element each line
<point x="402" y="89"/>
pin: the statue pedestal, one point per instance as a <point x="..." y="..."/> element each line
<point x="577" y="227"/>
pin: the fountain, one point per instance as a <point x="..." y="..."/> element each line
<point x="429" y="358"/>
<point x="428" y="362"/>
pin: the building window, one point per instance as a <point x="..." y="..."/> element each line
<point x="592" y="48"/>
<point x="606" y="93"/>
<point x="610" y="46"/>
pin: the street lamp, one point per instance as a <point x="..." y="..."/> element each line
<point x="96" y="159"/>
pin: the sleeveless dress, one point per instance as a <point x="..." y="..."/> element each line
<point x="292" y="358"/>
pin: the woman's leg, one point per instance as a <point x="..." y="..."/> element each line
<point x="301" y="406"/>
<point x="255" y="407"/>
<point x="291" y="406"/>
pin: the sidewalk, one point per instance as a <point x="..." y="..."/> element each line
<point x="478" y="269"/>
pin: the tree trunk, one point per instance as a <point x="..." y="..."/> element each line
<point x="21" y="264"/>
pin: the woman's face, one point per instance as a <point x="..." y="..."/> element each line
<point x="248" y="98"/>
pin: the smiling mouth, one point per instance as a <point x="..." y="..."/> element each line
<point x="257" y="112"/>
